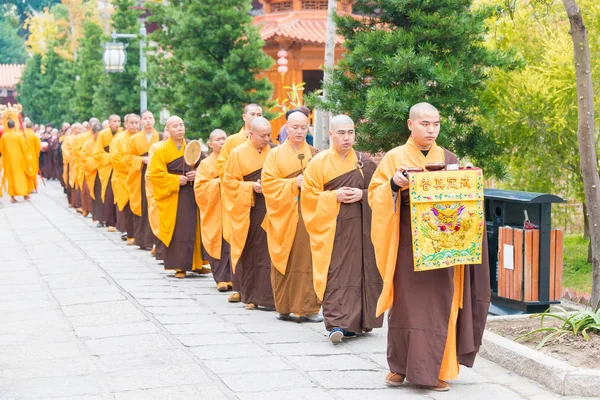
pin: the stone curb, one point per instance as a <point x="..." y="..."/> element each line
<point x="556" y="375"/>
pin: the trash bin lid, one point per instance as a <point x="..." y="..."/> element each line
<point x="515" y="196"/>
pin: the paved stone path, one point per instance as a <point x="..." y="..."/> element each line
<point x="83" y="316"/>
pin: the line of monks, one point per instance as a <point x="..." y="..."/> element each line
<point x="291" y="229"/>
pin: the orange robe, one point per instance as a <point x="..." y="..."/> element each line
<point x="104" y="157"/>
<point x="238" y="195"/>
<point x="137" y="149"/>
<point x="34" y="144"/>
<point x="288" y="241"/>
<point x="90" y="165"/>
<point x="345" y="276"/>
<point x="207" y="189"/>
<point x="16" y="160"/>
<point x="153" y="215"/>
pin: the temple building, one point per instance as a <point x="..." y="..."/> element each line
<point x="294" y="35"/>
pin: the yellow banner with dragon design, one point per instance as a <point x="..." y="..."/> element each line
<point x="446" y="218"/>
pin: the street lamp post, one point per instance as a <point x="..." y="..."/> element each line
<point x="114" y="59"/>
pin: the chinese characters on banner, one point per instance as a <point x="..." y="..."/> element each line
<point x="447" y="218"/>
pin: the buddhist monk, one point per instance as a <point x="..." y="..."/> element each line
<point x="436" y="317"/>
<point x="173" y="190"/>
<point x="139" y="144"/>
<point x="81" y="182"/>
<point x="104" y="158"/>
<point x="122" y="163"/>
<point x="158" y="250"/>
<point x="17" y="170"/>
<point x="289" y="244"/>
<point x="251" y="111"/>
<point x="92" y="179"/>
<point x="244" y="204"/>
<point x="34" y="145"/>
<point x="207" y="188"/>
<point x="338" y="220"/>
<point x="68" y="158"/>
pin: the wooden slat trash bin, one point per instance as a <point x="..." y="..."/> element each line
<point x="522" y="220"/>
<point x="518" y="277"/>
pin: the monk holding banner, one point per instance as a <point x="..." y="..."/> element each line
<point x="139" y="144"/>
<point x="338" y="220"/>
<point x="172" y="182"/>
<point x="244" y="205"/>
<point x="207" y="188"/>
<point x="105" y="170"/>
<point x="289" y="244"/>
<point x="437" y="317"/>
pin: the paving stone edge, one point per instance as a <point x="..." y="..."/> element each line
<point x="556" y="375"/>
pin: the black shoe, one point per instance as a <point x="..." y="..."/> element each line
<point x="100" y="225"/>
<point x="124" y="237"/>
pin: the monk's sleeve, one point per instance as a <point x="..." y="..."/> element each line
<point x="385" y="228"/>
<point x="102" y="157"/>
<point x="281" y="198"/>
<point x="38" y="146"/>
<point x="121" y="159"/>
<point x="208" y="198"/>
<point x="136" y="158"/>
<point x="89" y="162"/>
<point x="320" y="209"/>
<point x="163" y="183"/>
<point x="223" y="156"/>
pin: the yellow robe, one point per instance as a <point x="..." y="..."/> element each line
<point x="34" y="144"/>
<point x="385" y="235"/>
<point x="153" y="216"/>
<point x="121" y="162"/>
<point x="138" y="145"/>
<point x="90" y="165"/>
<point x="238" y="195"/>
<point x="207" y="189"/>
<point x="104" y="158"/>
<point x="281" y="197"/>
<point x="18" y="173"/>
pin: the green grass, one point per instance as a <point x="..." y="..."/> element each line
<point x="577" y="272"/>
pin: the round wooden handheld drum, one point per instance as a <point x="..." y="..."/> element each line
<point x="192" y="153"/>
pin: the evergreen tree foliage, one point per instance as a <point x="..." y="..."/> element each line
<point x="30" y="89"/>
<point x="408" y="51"/>
<point x="12" y="46"/>
<point x="206" y="62"/>
<point x="58" y="89"/>
<point x="91" y="73"/>
<point x="121" y="92"/>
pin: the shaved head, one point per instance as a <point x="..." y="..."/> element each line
<point x="420" y="109"/>
<point x="297" y="117"/>
<point x="216" y="133"/>
<point x="94" y="121"/>
<point x="260" y="123"/>
<point x="173" y="120"/>
<point x="340" y="120"/>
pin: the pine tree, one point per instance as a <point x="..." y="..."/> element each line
<point x="29" y="89"/>
<point x="208" y="57"/>
<point x="58" y="89"/>
<point x="121" y="92"/>
<point x="411" y="51"/>
<point x="91" y="73"/>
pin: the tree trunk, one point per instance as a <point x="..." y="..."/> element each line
<point x="586" y="223"/>
<point x="329" y="61"/>
<point x="585" y="137"/>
